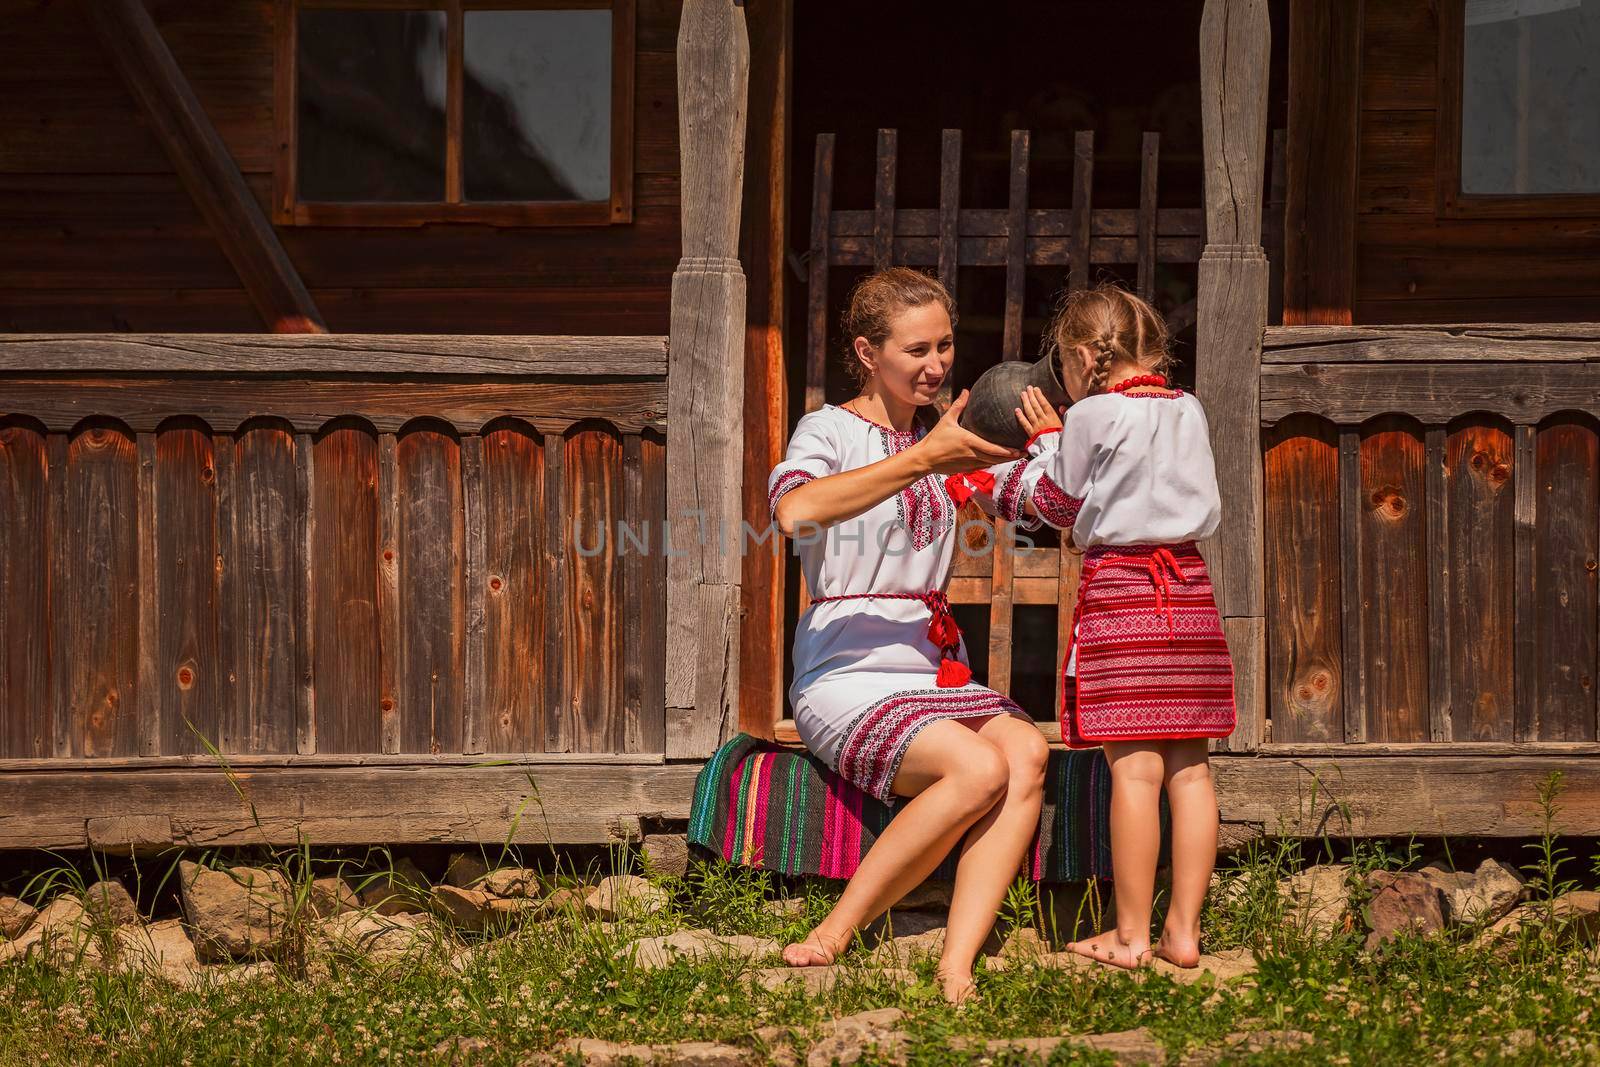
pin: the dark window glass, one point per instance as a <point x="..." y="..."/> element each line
<point x="371" y="105"/>
<point x="537" y="105"/>
<point x="1530" y="97"/>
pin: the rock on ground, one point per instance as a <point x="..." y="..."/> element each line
<point x="15" y="916"/>
<point x="1318" y="897"/>
<point x="617" y="895"/>
<point x="381" y="938"/>
<point x="1576" y="914"/>
<point x="163" y="949"/>
<point x="476" y="910"/>
<point x="110" y="904"/>
<point x="932" y="895"/>
<point x="465" y="870"/>
<point x="598" y="1053"/>
<point x="667" y="853"/>
<point x="785" y="907"/>
<point x="239" y="913"/>
<point x="651" y="953"/>
<point x="1221" y="966"/>
<point x="403" y="889"/>
<point x="1403" y="901"/>
<point x="1125" y="1046"/>
<point x="332" y="896"/>
<point x="819" y="981"/>
<point x="846" y="1040"/>
<point x="1482" y="896"/>
<point x="518" y="882"/>
<point x="61" y="933"/>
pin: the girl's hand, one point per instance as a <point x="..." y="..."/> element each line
<point x="949" y="449"/>
<point x="1036" y="415"/>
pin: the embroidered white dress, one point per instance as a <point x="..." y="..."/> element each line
<point x="864" y="669"/>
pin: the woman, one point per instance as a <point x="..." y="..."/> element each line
<point x="882" y="691"/>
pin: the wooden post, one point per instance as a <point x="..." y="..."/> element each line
<point x="1235" y="39"/>
<point x="705" y="383"/>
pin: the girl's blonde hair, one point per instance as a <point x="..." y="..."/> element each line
<point x="870" y="313"/>
<point x="1114" y="324"/>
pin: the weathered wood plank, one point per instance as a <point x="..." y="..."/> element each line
<point x="475" y="583"/>
<point x="514" y="612"/>
<point x="1149" y="173"/>
<point x="432" y="596"/>
<point x="592" y="648"/>
<point x="144" y="403"/>
<point x="1353" y="673"/>
<point x="24" y="604"/>
<point x="224" y="593"/>
<point x="1480" y="579"/>
<point x="188" y="666"/>
<point x="1543" y="342"/>
<point x="987" y="222"/>
<point x="1081" y="220"/>
<point x="391" y="654"/>
<point x="1016" y="268"/>
<point x="1525" y="633"/>
<point x="653" y="596"/>
<point x="817" y="278"/>
<point x="312" y="354"/>
<point x="1055" y="251"/>
<point x="949" y="211"/>
<point x="1000" y="611"/>
<point x="149" y="638"/>
<point x="883" y="199"/>
<point x="555" y="539"/>
<point x="58" y="479"/>
<point x="1436" y="539"/>
<point x="1247" y="645"/>
<point x="344" y="571"/>
<point x="1304" y="576"/>
<point x="1434" y="393"/>
<point x="267" y="522"/>
<point x="631" y="550"/>
<point x="1566" y="532"/>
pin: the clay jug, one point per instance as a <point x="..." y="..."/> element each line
<point x="991" y="408"/>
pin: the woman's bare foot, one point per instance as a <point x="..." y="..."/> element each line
<point x="1109" y="948"/>
<point x="817" y="950"/>
<point x="1180" y="950"/>
<point x="958" y="988"/>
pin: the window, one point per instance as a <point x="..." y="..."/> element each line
<point x="1519" y="121"/>
<point x="398" y="113"/>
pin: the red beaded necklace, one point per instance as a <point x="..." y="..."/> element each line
<point x="1138" y="380"/>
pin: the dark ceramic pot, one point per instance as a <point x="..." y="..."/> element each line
<point x="991" y="410"/>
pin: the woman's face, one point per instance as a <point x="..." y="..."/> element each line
<point x="915" y="358"/>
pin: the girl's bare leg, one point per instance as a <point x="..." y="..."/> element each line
<point x="954" y="778"/>
<point x="1136" y="775"/>
<point x="994" y="849"/>
<point x="1193" y="801"/>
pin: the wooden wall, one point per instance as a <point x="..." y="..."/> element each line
<point x="96" y="232"/>
<point x="1409" y="264"/>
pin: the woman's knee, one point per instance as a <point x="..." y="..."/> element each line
<point x="983" y="773"/>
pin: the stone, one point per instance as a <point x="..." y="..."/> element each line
<point x="61" y="933"/>
<point x="110" y="904"/>
<point x="463" y="1050"/>
<point x="1318" y="897"/>
<point x="1484" y="896"/>
<point x="903" y="934"/>
<point x="819" y="981"/>
<point x="1022" y="942"/>
<point x="776" y="1046"/>
<point x="651" y="953"/>
<point x="162" y="949"/>
<point x="667" y="854"/>
<point x="1125" y="1046"/>
<point x="598" y="1053"/>
<point x="1057" y="961"/>
<point x="1576" y="915"/>
<point x="332" y="896"/>
<point x="785" y="907"/>
<point x="15" y="916"/>
<point x="619" y="894"/>
<point x="380" y="938"/>
<point x="1249" y="1043"/>
<point x="932" y="895"/>
<point x="1220" y="966"/>
<point x="566" y="899"/>
<point x="400" y="890"/>
<point x="1401" y="901"/>
<point x="517" y="882"/>
<point x="467" y="909"/>
<point x="465" y="870"/>
<point x="848" y="1039"/>
<point x="239" y="913"/>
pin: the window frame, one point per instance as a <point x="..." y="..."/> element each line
<point x="1451" y="201"/>
<point x="289" y="210"/>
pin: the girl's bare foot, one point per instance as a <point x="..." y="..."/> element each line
<point x="1180" y="950"/>
<point x="958" y="988"/>
<point x="817" y="950"/>
<point x="1109" y="948"/>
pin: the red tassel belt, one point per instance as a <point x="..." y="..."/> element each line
<point x="942" y="631"/>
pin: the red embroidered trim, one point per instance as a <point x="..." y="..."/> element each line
<point x="790" y="479"/>
<point x="1009" y="500"/>
<point x="1054" y="504"/>
<point x="1041" y="433"/>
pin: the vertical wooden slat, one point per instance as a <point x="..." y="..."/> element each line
<point x="1478" y="471"/>
<point x="1304" y="639"/>
<point x="1000" y="611"/>
<point x="307" y="589"/>
<point x="391" y="689"/>
<point x="1070" y="575"/>
<point x="883" y="199"/>
<point x="149" y="691"/>
<point x="633" y="562"/>
<point x="1354" y="700"/>
<point x="1436" y="523"/>
<point x="455" y="26"/>
<point x="1393" y="581"/>
<point x="1274" y="222"/>
<point x="653" y="596"/>
<point x="476" y="588"/>
<point x="433" y="605"/>
<point x="1016" y="246"/>
<point x="58" y="482"/>
<point x="1565" y="555"/>
<point x="1082" y="209"/>
<point x="224" y="593"/>
<point x="24" y="604"/>
<point x="515" y="526"/>
<point x="1525" y="487"/>
<point x="817" y="264"/>
<point x="186" y="553"/>
<point x="591" y="630"/>
<point x="345" y="586"/>
<point x="1149" y="168"/>
<point x="557" y="540"/>
<point x="264" y="588"/>
<point x="949" y="223"/>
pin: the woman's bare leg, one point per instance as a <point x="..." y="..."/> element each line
<point x="1136" y="775"/>
<point x="1193" y="801"/>
<point x="954" y="779"/>
<point x="994" y="849"/>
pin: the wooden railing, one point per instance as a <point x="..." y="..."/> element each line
<point x="1432" y="534"/>
<point x="331" y="545"/>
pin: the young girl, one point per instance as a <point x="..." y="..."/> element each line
<point x="1148" y="674"/>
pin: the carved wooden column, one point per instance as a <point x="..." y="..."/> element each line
<point x="705" y="383"/>
<point x="1235" y="45"/>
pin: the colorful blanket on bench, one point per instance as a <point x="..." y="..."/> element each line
<point x="759" y="804"/>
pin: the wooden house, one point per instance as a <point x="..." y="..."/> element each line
<point x="335" y="331"/>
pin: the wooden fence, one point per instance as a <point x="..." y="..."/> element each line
<point x="1432" y="535"/>
<point x="317" y="545"/>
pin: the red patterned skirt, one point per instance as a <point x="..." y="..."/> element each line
<point x="1152" y="663"/>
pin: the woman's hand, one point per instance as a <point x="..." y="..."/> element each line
<point x="1036" y="414"/>
<point x="949" y="449"/>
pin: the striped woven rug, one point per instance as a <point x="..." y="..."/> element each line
<point x="761" y="805"/>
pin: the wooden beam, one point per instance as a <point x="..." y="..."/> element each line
<point x="1564" y="342"/>
<point x="705" y="383"/>
<point x="1235" y="39"/>
<point x="1324" y="138"/>
<point x="313" y="354"/>
<point x="1432" y="392"/>
<point x="204" y="166"/>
